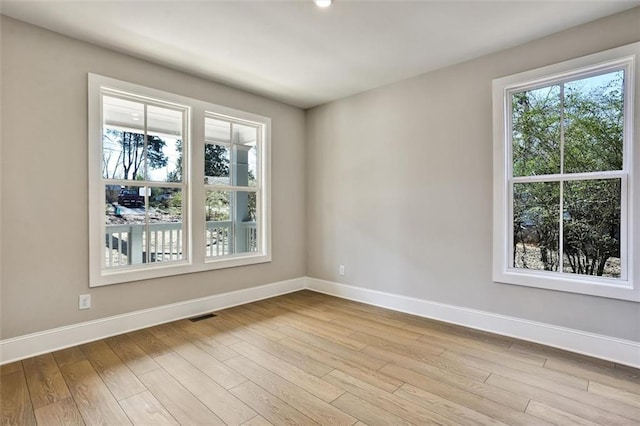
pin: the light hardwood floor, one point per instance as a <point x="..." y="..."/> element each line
<point x="307" y="358"/>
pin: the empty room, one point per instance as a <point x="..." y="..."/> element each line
<point x="334" y="212"/>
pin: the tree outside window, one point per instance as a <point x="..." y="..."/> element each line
<point x="565" y="138"/>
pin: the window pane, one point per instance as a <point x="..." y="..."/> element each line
<point x="231" y="222"/>
<point x="536" y="131"/>
<point x="246" y="226"/>
<point x="253" y="200"/>
<point x="218" y="231"/>
<point x="245" y="165"/>
<point x="164" y="144"/>
<point x="592" y="227"/>
<point x="536" y="225"/>
<point x="244" y="135"/>
<point x="123" y="114"/>
<point x="217" y="130"/>
<point x="122" y="138"/>
<point x="124" y="227"/>
<point x="216" y="164"/>
<point x="245" y="140"/>
<point x="253" y="166"/>
<point x="165" y="225"/>
<point x="594" y="123"/>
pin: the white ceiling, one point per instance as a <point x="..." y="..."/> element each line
<point x="298" y="53"/>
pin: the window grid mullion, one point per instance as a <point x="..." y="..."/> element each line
<point x="149" y="183"/>
<point x="217" y="187"/>
<point x="145" y="149"/>
<point x="624" y="228"/>
<point x="561" y="200"/>
<point x="232" y="195"/>
<point x="615" y="174"/>
<point x="561" y="230"/>
<point x="562" y="128"/>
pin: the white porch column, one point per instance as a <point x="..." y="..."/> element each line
<point x="134" y="245"/>
<point x="241" y="199"/>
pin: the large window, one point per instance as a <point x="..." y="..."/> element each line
<point x="148" y="217"/>
<point x="563" y="180"/>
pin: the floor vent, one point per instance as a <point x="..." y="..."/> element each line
<point x="202" y="317"/>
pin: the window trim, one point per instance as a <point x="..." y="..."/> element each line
<point x="625" y="288"/>
<point x="193" y="216"/>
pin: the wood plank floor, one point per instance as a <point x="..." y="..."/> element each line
<point x="307" y="358"/>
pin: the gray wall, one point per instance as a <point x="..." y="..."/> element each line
<point x="399" y="187"/>
<point x="44" y="184"/>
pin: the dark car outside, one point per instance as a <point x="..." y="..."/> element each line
<point x="130" y="197"/>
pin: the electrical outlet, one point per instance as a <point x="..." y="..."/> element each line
<point x="84" y="301"/>
<point x="341" y="270"/>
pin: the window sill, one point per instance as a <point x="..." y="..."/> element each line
<point x="176" y="268"/>
<point x="592" y="286"/>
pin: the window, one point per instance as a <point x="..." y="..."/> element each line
<point x="231" y="182"/>
<point x="148" y="217"/>
<point x="144" y="193"/>
<point x="563" y="176"/>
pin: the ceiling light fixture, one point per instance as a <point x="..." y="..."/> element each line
<point x="323" y="3"/>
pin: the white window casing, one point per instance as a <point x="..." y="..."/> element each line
<point x="191" y="256"/>
<point x="627" y="286"/>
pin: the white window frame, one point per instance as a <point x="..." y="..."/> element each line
<point x="194" y="225"/>
<point x="627" y="287"/>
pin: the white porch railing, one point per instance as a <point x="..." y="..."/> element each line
<point x="220" y="241"/>
<point x="219" y="238"/>
<point x="252" y="235"/>
<point x="127" y="245"/>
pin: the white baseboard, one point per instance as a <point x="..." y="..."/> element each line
<point x="621" y="351"/>
<point x="33" y="344"/>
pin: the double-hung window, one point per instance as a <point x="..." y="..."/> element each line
<point x="144" y="193"/>
<point x="565" y="176"/>
<point x="231" y="171"/>
<point x="176" y="185"/>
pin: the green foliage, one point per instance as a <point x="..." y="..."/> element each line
<point x="594" y="126"/>
<point x="251" y="207"/>
<point x="587" y="116"/>
<point x="591" y="224"/>
<point x="536" y="132"/>
<point x="535" y="221"/>
<point x="217" y="206"/>
<point x="176" y="200"/>
<point x="216" y="161"/>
